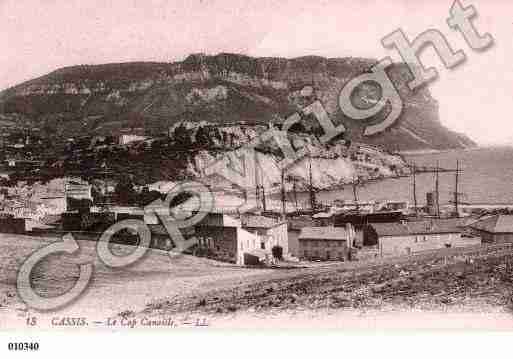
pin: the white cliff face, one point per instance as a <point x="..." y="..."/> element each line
<point x="84" y="87"/>
<point x="326" y="172"/>
<point x="330" y="167"/>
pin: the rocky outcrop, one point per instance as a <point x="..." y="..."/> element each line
<point x="223" y="89"/>
<point x="330" y="165"/>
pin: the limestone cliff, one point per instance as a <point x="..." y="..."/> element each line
<point x="223" y="89"/>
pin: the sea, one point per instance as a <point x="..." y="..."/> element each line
<point x="486" y="178"/>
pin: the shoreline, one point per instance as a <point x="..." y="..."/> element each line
<point x="430" y="151"/>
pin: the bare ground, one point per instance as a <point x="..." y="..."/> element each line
<point x="111" y="291"/>
<point x="478" y="282"/>
<point x="457" y="281"/>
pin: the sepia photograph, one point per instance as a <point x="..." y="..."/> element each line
<point x="263" y="165"/>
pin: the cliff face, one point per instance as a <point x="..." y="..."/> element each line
<point x="328" y="171"/>
<point x="220" y="89"/>
<point x="332" y="165"/>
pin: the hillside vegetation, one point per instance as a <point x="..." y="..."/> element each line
<point x="224" y="89"/>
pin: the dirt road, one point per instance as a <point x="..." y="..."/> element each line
<point x="111" y="291"/>
<point x="480" y="283"/>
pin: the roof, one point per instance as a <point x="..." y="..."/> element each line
<point x="298" y="223"/>
<point x="326" y="233"/>
<point x="224" y="205"/>
<point x="432" y="226"/>
<point x="257" y="221"/>
<point x="363" y="218"/>
<point x="322" y="215"/>
<point x="495" y="224"/>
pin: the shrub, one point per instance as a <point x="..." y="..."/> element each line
<point x="277" y="252"/>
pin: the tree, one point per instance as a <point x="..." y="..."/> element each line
<point x="82" y="205"/>
<point x="202" y="137"/>
<point x="146" y="197"/>
<point x="277" y="252"/>
<point x="96" y="194"/>
<point x="124" y="191"/>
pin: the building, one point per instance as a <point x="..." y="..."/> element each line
<point x="323" y="219"/>
<point x="225" y="238"/>
<point x="77" y="190"/>
<point x="344" y="206"/>
<point x="222" y="233"/>
<point x="272" y="231"/>
<point x="12" y="225"/>
<point x="394" y="206"/>
<point x="404" y="238"/>
<point x="125" y="139"/>
<point x="494" y="229"/>
<point x="53" y="204"/>
<point x="128" y="135"/>
<point x="364" y="218"/>
<point x="432" y="205"/>
<point x="325" y="243"/>
<point x="361" y="221"/>
<point x="162" y="186"/>
<point x="295" y="225"/>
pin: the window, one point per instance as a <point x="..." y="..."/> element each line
<point x="262" y="245"/>
<point x="306" y="253"/>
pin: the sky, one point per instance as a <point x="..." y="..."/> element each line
<point x="39" y="36"/>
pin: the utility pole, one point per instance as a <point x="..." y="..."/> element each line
<point x="283" y="209"/>
<point x="295" y="193"/>
<point x="263" y="198"/>
<point x="456" y="193"/>
<point x="355" y="196"/>
<point x="437" y="191"/>
<point x="414" y="172"/>
<point x="257" y="195"/>
<point x="312" y="194"/>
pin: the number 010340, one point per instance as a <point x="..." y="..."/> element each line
<point x="23" y="346"/>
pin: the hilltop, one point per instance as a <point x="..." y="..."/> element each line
<point x="224" y="89"/>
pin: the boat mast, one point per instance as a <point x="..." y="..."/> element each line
<point x="355" y="195"/>
<point x="295" y="193"/>
<point x="312" y="193"/>
<point x="263" y="198"/>
<point x="437" y="191"/>
<point x="283" y="193"/>
<point x="414" y="173"/>
<point x="456" y="193"/>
